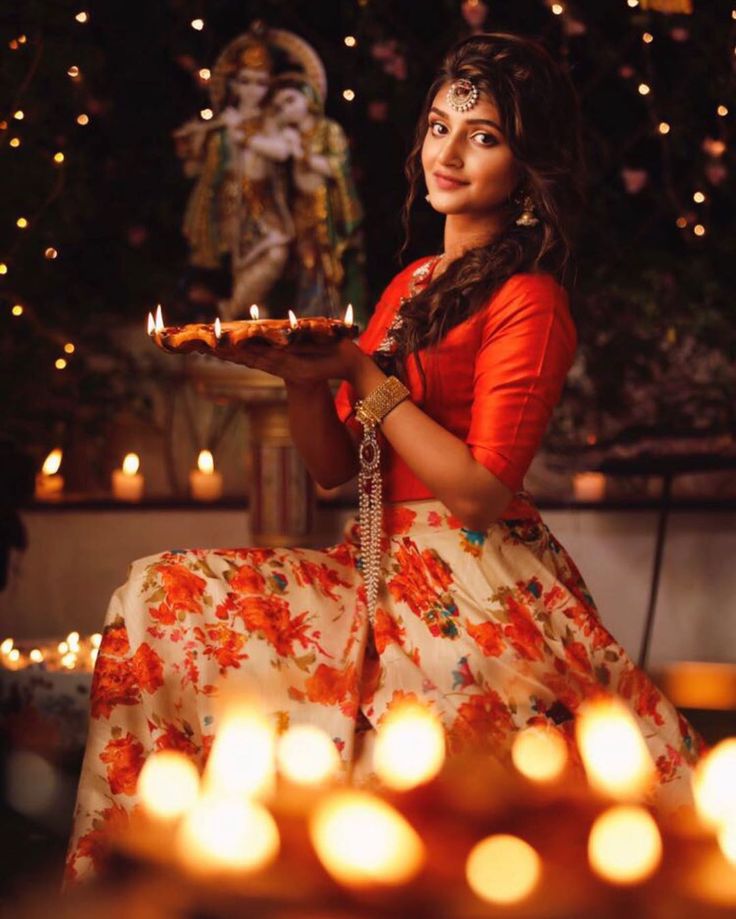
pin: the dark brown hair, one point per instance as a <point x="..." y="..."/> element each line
<point x="540" y="119"/>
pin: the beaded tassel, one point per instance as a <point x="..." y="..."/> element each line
<point x="370" y="514"/>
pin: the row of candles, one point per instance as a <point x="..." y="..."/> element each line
<point x="230" y="821"/>
<point x="75" y="653"/>
<point x="205" y="482"/>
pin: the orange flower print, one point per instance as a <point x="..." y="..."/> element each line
<point x="95" y="845"/>
<point x="113" y="683"/>
<point x="636" y="686"/>
<point x="483" y="723"/>
<point x="668" y="764"/>
<point x="577" y="656"/>
<point x="342" y="554"/>
<point x="322" y="577"/>
<point x="271" y="617"/>
<point x="163" y="614"/>
<point x="124" y="759"/>
<point x="397" y="519"/>
<point x="523" y="633"/>
<point x="223" y="644"/>
<point x="247" y="580"/>
<point x="386" y="630"/>
<point x="330" y="685"/>
<point x="174" y="738"/>
<point x="115" y="640"/>
<point x="148" y="668"/>
<point x="488" y="636"/>
<point x="439" y="571"/>
<point x="182" y="587"/>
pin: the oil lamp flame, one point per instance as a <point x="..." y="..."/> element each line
<point x="348" y="320"/>
<point x="131" y="463"/>
<point x="206" y="462"/>
<point x="218" y="328"/>
<point x="159" y="321"/>
<point x="254" y="312"/>
<point x="52" y="463"/>
<point x="292" y="319"/>
<point x="151" y="325"/>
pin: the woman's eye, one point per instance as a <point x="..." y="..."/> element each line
<point x="437" y="128"/>
<point x="485" y="139"/>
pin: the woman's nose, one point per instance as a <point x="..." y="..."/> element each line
<point x="450" y="152"/>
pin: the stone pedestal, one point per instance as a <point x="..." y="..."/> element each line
<point x="280" y="489"/>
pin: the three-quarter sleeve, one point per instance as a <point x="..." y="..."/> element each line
<point x="527" y="348"/>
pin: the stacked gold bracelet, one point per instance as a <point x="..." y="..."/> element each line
<point x="371" y="411"/>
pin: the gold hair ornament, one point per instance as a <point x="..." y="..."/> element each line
<point x="462" y="95"/>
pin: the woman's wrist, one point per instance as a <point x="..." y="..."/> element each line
<point x="366" y="375"/>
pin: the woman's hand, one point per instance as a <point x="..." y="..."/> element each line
<point x="301" y="364"/>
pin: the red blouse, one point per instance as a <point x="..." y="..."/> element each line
<point x="493" y="381"/>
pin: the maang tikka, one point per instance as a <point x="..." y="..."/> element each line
<point x="462" y="95"/>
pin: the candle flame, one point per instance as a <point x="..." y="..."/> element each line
<point x="14" y="655"/>
<point x="539" y="753"/>
<point x="69" y="660"/>
<point x="254" y="312"/>
<point x="62" y="647"/>
<point x="625" y="845"/>
<point x="36" y="655"/>
<point x="362" y="840"/>
<point x="159" y="321"/>
<point x="131" y="464"/>
<point x="206" y="462"/>
<point x="52" y="462"/>
<point x="168" y="784"/>
<point x="348" y="320"/>
<point x="242" y="757"/>
<point x="218" y="328"/>
<point x="150" y="325"/>
<point x="727" y="842"/>
<point x="96" y="639"/>
<point x="227" y="834"/>
<point x="292" y="319"/>
<point x="410" y="747"/>
<point x="616" y="758"/>
<point x="307" y="755"/>
<point x="713" y="785"/>
<point x="7" y="646"/>
<point x="503" y="869"/>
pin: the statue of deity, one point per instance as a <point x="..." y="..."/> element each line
<point x="273" y="193"/>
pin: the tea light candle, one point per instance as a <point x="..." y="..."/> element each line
<point x="589" y="486"/>
<point x="49" y="484"/>
<point x="127" y="483"/>
<point x="205" y="483"/>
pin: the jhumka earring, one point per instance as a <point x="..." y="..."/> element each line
<point x="527" y="217"/>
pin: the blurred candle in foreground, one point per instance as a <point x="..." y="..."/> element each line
<point x="307" y="755"/>
<point x="127" y="483"/>
<point x="616" y="758"/>
<point x="410" y="747"/>
<point x="714" y="785"/>
<point x="168" y="784"/>
<point x="242" y="757"/>
<point x="625" y="846"/>
<point x="225" y="834"/>
<point x="363" y="841"/>
<point x="727" y="842"/>
<point x="49" y="484"/>
<point x="539" y="753"/>
<point x="503" y="869"/>
<point x="205" y="482"/>
<point x="348" y="320"/>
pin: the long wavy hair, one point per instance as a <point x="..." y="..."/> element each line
<point x="540" y="119"/>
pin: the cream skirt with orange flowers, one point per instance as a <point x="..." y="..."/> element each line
<point x="495" y="631"/>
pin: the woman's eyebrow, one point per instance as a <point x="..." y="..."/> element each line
<point x="438" y="111"/>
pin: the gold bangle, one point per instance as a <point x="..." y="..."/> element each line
<point x="376" y="406"/>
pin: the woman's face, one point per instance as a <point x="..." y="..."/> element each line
<point x="250" y="86"/>
<point x="468" y="165"/>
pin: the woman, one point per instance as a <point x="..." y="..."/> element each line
<point x="480" y="612"/>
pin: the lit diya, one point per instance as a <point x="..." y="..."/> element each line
<point x="207" y="337"/>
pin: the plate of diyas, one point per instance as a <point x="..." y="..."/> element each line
<point x="211" y="337"/>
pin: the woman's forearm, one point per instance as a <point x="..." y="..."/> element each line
<point x="440" y="459"/>
<point x="323" y="441"/>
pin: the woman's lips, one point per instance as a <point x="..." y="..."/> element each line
<point x="446" y="183"/>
